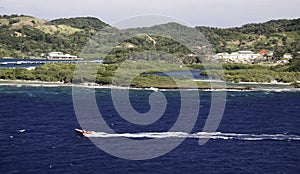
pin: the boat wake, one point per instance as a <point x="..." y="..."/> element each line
<point x="198" y="135"/>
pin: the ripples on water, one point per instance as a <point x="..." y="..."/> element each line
<point x="37" y="134"/>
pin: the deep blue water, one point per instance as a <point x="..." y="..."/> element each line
<point x="50" y="145"/>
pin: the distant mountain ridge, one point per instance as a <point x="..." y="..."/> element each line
<point x="26" y="36"/>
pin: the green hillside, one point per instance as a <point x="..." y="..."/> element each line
<point x="26" y="36"/>
<point x="280" y="36"/>
<point x="86" y="23"/>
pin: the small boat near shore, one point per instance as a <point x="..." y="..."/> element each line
<point x="82" y="131"/>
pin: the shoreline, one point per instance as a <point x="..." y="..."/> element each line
<point x="93" y="85"/>
<point x="263" y="83"/>
<point x="97" y="86"/>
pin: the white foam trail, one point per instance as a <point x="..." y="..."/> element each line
<point x="197" y="135"/>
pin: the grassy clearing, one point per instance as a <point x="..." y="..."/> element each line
<point x="60" y="29"/>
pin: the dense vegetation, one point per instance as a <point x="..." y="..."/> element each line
<point x="280" y="36"/>
<point x="61" y="72"/>
<point x="256" y="73"/>
<point x="51" y="72"/>
<point x="86" y="23"/>
<point x="106" y="74"/>
<point x="147" y="43"/>
<point x="141" y="48"/>
<point x="26" y="36"/>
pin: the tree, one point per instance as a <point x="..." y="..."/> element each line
<point x="295" y="65"/>
<point x="278" y="53"/>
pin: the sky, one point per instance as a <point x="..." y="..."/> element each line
<point x="215" y="13"/>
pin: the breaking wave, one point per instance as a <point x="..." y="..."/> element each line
<point x="198" y="135"/>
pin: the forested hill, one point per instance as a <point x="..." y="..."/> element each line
<point x="87" y="23"/>
<point x="26" y="36"/>
<point x="280" y="36"/>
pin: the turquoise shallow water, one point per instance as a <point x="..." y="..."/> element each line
<point x="258" y="134"/>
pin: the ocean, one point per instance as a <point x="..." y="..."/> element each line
<point x="259" y="133"/>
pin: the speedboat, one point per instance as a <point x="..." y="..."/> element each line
<point x="82" y="131"/>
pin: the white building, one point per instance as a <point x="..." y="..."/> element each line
<point x="239" y="57"/>
<point x="249" y="55"/>
<point x="60" y="55"/>
<point x="287" y="56"/>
